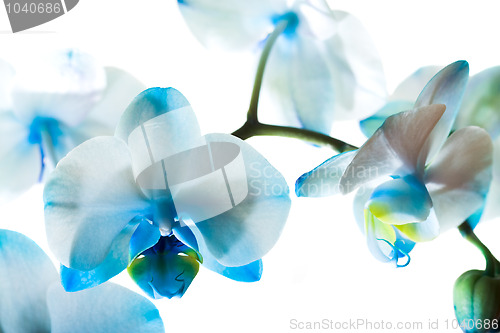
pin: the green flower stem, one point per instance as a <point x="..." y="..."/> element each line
<point x="492" y="264"/>
<point x="253" y="127"/>
<point x="249" y="130"/>
<point x="254" y="101"/>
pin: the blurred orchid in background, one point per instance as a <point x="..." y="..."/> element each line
<point x="51" y="106"/>
<point x="322" y="67"/>
<point x="403" y="98"/>
<point x="480" y="105"/>
<point x="159" y="198"/>
<point x="413" y="180"/>
<point x="34" y="301"/>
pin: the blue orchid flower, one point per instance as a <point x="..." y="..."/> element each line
<point x="51" y="107"/>
<point x="480" y="107"/>
<point x="413" y="181"/>
<point x="33" y="299"/>
<point x="159" y="198"/>
<point x="323" y="67"/>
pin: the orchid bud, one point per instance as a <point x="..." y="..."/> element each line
<point x="476" y="296"/>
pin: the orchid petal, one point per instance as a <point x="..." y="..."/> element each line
<point x="248" y="273"/>
<point x="325" y="178"/>
<point x="230" y="24"/>
<point x="324" y="79"/>
<point x="121" y="89"/>
<point x="361" y="198"/>
<point x="402" y="99"/>
<point x="91" y="189"/>
<point x="410" y="88"/>
<point x="20" y="159"/>
<point x="446" y="87"/>
<point x="145" y="236"/>
<point x="25" y="275"/>
<point x="421" y="231"/>
<point x="394" y="149"/>
<point x="400" y="201"/>
<point x="316" y="19"/>
<point x="370" y="125"/>
<point x="459" y="177"/>
<point x="158" y="124"/>
<point x="356" y="68"/>
<point x="106" y="308"/>
<point x="251" y="272"/>
<point x="492" y="209"/>
<point x="311" y="86"/>
<point x="248" y="230"/>
<point x="137" y="237"/>
<point x="481" y="102"/>
<point x="76" y="84"/>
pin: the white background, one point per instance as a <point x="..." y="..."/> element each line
<point x="320" y="268"/>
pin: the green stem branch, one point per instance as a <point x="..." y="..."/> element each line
<point x="253" y="127"/>
<point x="492" y="264"/>
<point x="249" y="130"/>
<point x="254" y="101"/>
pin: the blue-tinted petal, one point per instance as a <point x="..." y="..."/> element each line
<point x="89" y="199"/>
<point x="106" y="308"/>
<point x="131" y="241"/>
<point x="145" y="236"/>
<point x="370" y="125"/>
<point x="248" y="273"/>
<point x="362" y="196"/>
<point x="166" y="269"/>
<point x="481" y="103"/>
<point x="446" y="87"/>
<point x="400" y="201"/>
<point x="402" y="99"/>
<point x="26" y="273"/>
<point x="475" y="218"/>
<point x="230" y="24"/>
<point x="491" y="208"/>
<point x="158" y="124"/>
<point x="121" y="89"/>
<point x="20" y="159"/>
<point x="459" y="177"/>
<point x="311" y="84"/>
<point x="394" y="149"/>
<point x="356" y="67"/>
<point x="325" y="78"/>
<point x="251" y="227"/>
<point x="410" y="88"/>
<point x="63" y="86"/>
<point x="6" y="79"/>
<point x="324" y="179"/>
<point x="421" y="231"/>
